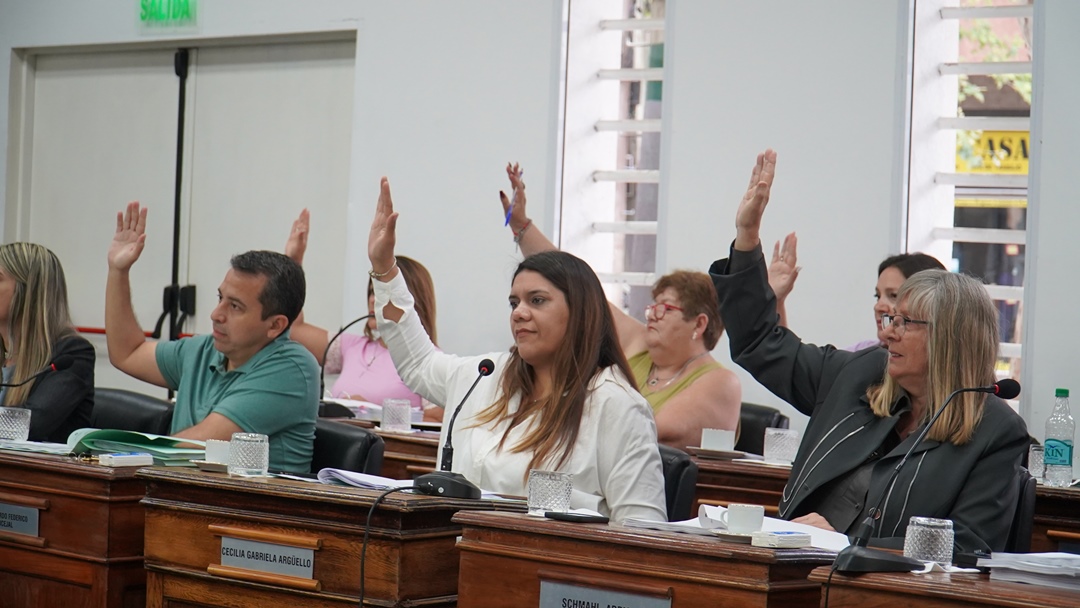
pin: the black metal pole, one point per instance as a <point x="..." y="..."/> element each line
<point x="180" y="63"/>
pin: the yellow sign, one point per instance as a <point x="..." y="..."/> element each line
<point x="1001" y="152"/>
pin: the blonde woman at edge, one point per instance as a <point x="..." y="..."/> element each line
<point x="670" y="353"/>
<point x="36" y="328"/>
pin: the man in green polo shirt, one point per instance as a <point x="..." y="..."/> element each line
<point x="247" y="376"/>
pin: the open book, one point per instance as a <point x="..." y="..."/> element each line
<point x="164" y="450"/>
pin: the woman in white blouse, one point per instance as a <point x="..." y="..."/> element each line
<point x="560" y="400"/>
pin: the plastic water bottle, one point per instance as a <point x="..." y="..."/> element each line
<point x="1058" y="453"/>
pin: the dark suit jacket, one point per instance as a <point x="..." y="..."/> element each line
<point x="62" y="401"/>
<point x="972" y="484"/>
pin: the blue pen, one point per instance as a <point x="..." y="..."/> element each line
<point x="514" y="193"/>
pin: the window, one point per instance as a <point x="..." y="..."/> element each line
<point x="612" y="143"/>
<point x="971" y="105"/>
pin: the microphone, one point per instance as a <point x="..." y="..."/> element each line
<point x="858" y="557"/>
<point x="443" y="482"/>
<point x="329" y="408"/>
<point x="59" y="364"/>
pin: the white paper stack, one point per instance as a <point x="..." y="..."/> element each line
<point x="1060" y="570"/>
<point x="700" y="525"/>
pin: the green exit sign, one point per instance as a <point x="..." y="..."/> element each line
<point x="167" y="12"/>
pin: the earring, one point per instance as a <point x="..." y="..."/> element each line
<point x="694" y="337"/>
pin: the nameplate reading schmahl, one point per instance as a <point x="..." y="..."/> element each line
<point x="267" y="557"/>
<point x="561" y="595"/>
<point x="18" y="520"/>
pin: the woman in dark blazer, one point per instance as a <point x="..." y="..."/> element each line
<point x="866" y="408"/>
<point x="36" y="331"/>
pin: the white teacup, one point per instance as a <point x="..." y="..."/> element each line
<point x="743" y="519"/>
<point x="717" y="439"/>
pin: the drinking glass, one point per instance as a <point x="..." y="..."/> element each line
<point x="1035" y="461"/>
<point x="930" y="540"/>
<point x="549" y="491"/>
<point x="249" y="454"/>
<point x="781" y="445"/>
<point x="396" y="415"/>
<point x="14" y="423"/>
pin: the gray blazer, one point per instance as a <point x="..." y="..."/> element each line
<point x="973" y="484"/>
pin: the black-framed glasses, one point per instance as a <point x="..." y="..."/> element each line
<point x="660" y="309"/>
<point x="899" y="322"/>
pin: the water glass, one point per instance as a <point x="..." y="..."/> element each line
<point x="249" y="454"/>
<point x="14" y="423"/>
<point x="929" y="540"/>
<point x="781" y="445"/>
<point x="1035" y="461"/>
<point x="397" y="415"/>
<point x="549" y="491"/>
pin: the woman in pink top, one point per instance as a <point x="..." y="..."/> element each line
<point x="366" y="371"/>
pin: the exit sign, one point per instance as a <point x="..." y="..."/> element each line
<point x="167" y="12"/>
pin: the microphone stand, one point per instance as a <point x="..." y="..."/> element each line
<point x="444" y="482"/>
<point x="329" y="407"/>
<point x="860" y="558"/>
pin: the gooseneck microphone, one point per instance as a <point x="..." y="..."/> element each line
<point x="60" y="363"/>
<point x="443" y="482"/>
<point x="339" y="410"/>
<point x="859" y="558"/>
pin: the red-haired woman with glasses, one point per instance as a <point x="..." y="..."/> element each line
<point x="669" y="354"/>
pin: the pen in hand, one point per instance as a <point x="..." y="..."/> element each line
<point x="513" y="198"/>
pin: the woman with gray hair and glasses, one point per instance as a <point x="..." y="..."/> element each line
<point x="866" y="408"/>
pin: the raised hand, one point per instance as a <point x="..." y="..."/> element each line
<point x="130" y="237"/>
<point x="296" y="245"/>
<point x="515" y="206"/>
<point x="752" y="207"/>
<point x="784" y="268"/>
<point x="383" y="235"/>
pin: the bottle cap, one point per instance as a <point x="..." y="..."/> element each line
<point x="1061" y="392"/>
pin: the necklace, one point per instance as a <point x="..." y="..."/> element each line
<point x="653" y="379"/>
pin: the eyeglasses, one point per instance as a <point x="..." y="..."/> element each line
<point x="901" y="322"/>
<point x="660" y="309"/>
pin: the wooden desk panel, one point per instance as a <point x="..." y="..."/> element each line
<point x="1057" y="520"/>
<point x="936" y="590"/>
<point x="405" y="456"/>
<point x="88" y="552"/>
<point x="504" y="557"/>
<point x="411" y="556"/>
<point x="722" y="482"/>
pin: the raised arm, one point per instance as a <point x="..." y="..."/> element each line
<point x="312" y="337"/>
<point x="129" y="351"/>
<point x="531" y="241"/>
<point x="783" y="270"/>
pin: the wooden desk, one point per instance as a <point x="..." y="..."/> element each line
<point x="505" y="556"/>
<point x="721" y="482"/>
<point x="1057" y="520"/>
<point x="936" y="590"/>
<point x="411" y="555"/>
<point x="89" y="544"/>
<point x="405" y="456"/>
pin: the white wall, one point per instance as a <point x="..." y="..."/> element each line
<point x="1049" y="327"/>
<point x="823" y="83"/>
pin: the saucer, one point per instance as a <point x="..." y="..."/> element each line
<point x="743" y="538"/>
<point x="715" y="454"/>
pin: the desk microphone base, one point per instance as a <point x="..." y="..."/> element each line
<point x="864" y="559"/>
<point x="446" y="485"/>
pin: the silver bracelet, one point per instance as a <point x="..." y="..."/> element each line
<point x="379" y="275"/>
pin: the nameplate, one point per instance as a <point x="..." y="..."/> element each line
<point x="561" y="595"/>
<point x="18" y="520"/>
<point x="267" y="557"/>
